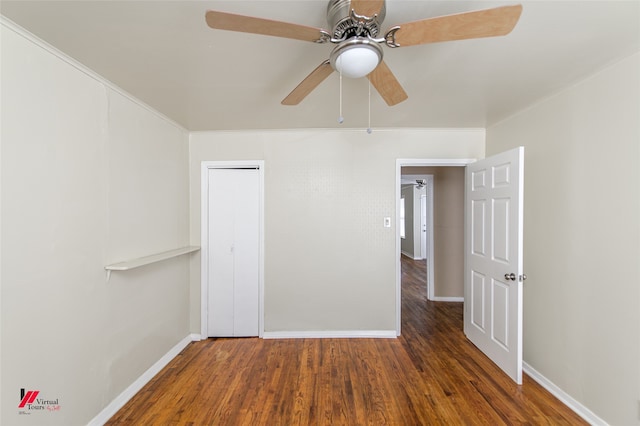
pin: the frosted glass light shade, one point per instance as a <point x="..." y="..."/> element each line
<point x="356" y="58"/>
<point x="357" y="62"/>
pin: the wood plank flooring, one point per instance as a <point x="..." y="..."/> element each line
<point x="431" y="375"/>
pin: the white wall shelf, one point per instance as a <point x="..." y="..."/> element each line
<point x="146" y="260"/>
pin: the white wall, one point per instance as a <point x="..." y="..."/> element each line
<point x="582" y="238"/>
<point x="329" y="262"/>
<point x="448" y="231"/>
<point x="89" y="178"/>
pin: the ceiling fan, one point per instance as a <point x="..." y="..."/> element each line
<point x="420" y="183"/>
<point x="356" y="32"/>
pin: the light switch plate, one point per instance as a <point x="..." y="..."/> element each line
<point x="387" y="222"/>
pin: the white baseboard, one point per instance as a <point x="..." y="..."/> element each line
<point x="135" y="387"/>
<point x="411" y="256"/>
<point x="566" y="399"/>
<point x="447" y="299"/>
<point x="334" y="334"/>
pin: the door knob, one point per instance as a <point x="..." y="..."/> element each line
<point x="510" y="276"/>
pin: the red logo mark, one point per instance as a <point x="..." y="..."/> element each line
<point x="27" y="398"/>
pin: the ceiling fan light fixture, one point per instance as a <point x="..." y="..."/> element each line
<point x="356" y="57"/>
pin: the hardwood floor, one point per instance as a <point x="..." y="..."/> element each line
<point x="431" y="375"/>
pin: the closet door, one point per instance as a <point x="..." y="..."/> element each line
<point x="233" y="252"/>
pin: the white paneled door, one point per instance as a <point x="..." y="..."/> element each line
<point x="423" y="227"/>
<point x="493" y="259"/>
<point x="234" y="244"/>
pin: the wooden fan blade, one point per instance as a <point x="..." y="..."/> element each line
<point x="387" y="85"/>
<point x="248" y="24"/>
<point x="367" y="8"/>
<point x="307" y="85"/>
<point x="482" y="23"/>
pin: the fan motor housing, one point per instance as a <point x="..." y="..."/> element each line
<point x="344" y="26"/>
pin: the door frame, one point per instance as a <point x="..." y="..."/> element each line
<point x="416" y="162"/>
<point x="204" y="237"/>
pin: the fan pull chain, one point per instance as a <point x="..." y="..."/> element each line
<point x="340" y="117"/>
<point x="369" y="128"/>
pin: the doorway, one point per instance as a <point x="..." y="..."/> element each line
<point x="418" y="167"/>
<point x="492" y="255"/>
<point x="417" y="236"/>
<point x="232" y="239"/>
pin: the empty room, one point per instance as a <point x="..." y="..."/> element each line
<point x="212" y="212"/>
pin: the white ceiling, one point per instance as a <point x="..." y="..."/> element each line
<point x="163" y="53"/>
